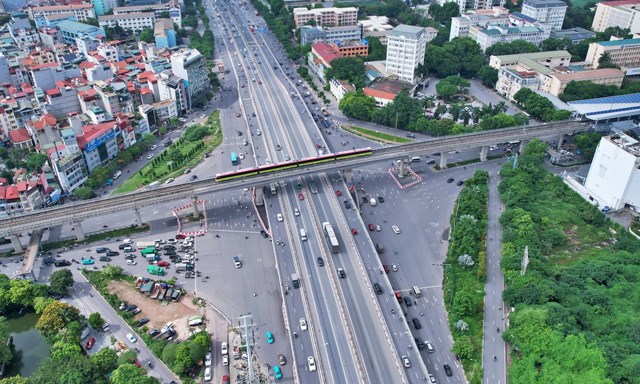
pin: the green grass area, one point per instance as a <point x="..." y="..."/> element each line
<point x="465" y="274"/>
<point x="576" y="302"/>
<point x="192" y="151"/>
<point x="380" y="137"/>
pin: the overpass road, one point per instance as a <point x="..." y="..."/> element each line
<point x="78" y="211"/>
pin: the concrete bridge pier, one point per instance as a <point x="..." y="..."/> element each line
<point x="483" y="152"/>
<point x="560" y="140"/>
<point x="196" y="211"/>
<point x="402" y="168"/>
<point x="138" y="216"/>
<point x="443" y="160"/>
<point x="77" y="227"/>
<point x="523" y="143"/>
<point x="15" y="242"/>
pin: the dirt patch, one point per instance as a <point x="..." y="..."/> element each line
<point x="157" y="313"/>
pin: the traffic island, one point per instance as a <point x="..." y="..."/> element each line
<point x="404" y="176"/>
<point x="192" y="219"/>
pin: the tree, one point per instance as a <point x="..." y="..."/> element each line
<point x="83" y="193"/>
<point x="55" y="317"/>
<point x="451" y="86"/>
<point x="35" y="161"/>
<point x="96" y="321"/>
<point x="130" y="374"/>
<point x="469" y="54"/>
<point x="203" y="339"/>
<point x="183" y="359"/>
<point x="357" y="105"/>
<point x="5" y="351"/>
<point x="440" y="62"/>
<point x="106" y="360"/>
<point x="377" y="51"/>
<point x="112" y="271"/>
<point x="350" y="69"/>
<point x="444" y="13"/>
<point x="605" y="62"/>
<point x="23" y="292"/>
<point x="512" y="48"/>
<point x="463" y="347"/>
<point x="488" y="75"/>
<point x="91" y="21"/>
<point x="14" y="380"/>
<point x="587" y="143"/>
<point x="555" y="44"/>
<point x="147" y="35"/>
<point x="60" y="281"/>
<point x="40" y="303"/>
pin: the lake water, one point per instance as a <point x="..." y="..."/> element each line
<point x="30" y="347"/>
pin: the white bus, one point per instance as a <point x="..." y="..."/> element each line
<point x="330" y="235"/>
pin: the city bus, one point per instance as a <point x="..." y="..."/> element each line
<point x="234" y="159"/>
<point x="148" y="251"/>
<point x="330" y="235"/>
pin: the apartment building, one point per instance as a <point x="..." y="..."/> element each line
<point x="320" y="58"/>
<point x="548" y="72"/>
<point x="460" y="25"/>
<point x="70" y="30"/>
<point x="624" y="53"/>
<point x="332" y="17"/>
<point x="624" y="14"/>
<point x="82" y="11"/>
<point x="465" y="5"/>
<point x="546" y="11"/>
<point x="132" y="21"/>
<point x="405" y="51"/>
<point x="191" y="66"/>
<point x="20" y="198"/>
<point x="494" y="34"/>
<point x="310" y="35"/>
<point x="351" y="48"/>
<point x="173" y="7"/>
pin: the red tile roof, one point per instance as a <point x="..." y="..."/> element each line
<point x="47" y="119"/>
<point x="145" y="91"/>
<point x="19" y="135"/>
<point x="92" y="131"/>
<point x="87" y="95"/>
<point x="325" y="51"/>
<point x="44" y="66"/>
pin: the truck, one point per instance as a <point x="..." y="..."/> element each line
<point x="155" y="291"/>
<point x="155" y="270"/>
<point x="184" y="267"/>
<point x="379" y="248"/>
<point x="152" y="257"/>
<point x="295" y="280"/>
<point x="163" y="291"/>
<point x="145" y="244"/>
<point x="325" y="111"/>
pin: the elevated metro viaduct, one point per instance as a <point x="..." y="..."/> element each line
<point x="74" y="213"/>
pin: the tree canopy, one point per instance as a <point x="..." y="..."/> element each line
<point x="460" y="56"/>
<point x="147" y="35"/>
<point x="60" y="281"/>
<point x="512" y="48"/>
<point x="350" y="69"/>
<point x="539" y="107"/>
<point x="357" y="105"/>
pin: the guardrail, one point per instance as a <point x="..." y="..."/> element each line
<point x="134" y="200"/>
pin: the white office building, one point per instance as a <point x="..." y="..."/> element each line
<point x="614" y="176"/>
<point x="546" y="11"/>
<point x="132" y="21"/>
<point x="405" y="51"/>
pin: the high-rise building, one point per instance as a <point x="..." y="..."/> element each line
<point x="191" y="66"/>
<point x="405" y="51"/>
<point x="546" y="11"/>
<point x="624" y="14"/>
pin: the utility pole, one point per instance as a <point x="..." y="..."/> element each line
<point x="246" y="322"/>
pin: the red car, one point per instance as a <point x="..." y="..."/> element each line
<point x="163" y="263"/>
<point x="386" y="268"/>
<point x="225" y="379"/>
<point x="354" y="231"/>
<point x="180" y="236"/>
<point x="136" y="362"/>
<point x="90" y="342"/>
<point x="300" y="196"/>
<point x="372" y="227"/>
<point x="338" y="193"/>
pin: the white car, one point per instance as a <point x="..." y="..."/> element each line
<point x="223" y="348"/>
<point x="296" y="212"/>
<point x="150" y="156"/>
<point x="311" y="363"/>
<point x="131" y="338"/>
<point x="131" y="262"/>
<point x="207" y="360"/>
<point x="153" y="147"/>
<point x="241" y="156"/>
<point x="378" y="228"/>
<point x="279" y="217"/>
<point x="172" y="241"/>
<point x="225" y="360"/>
<point x="406" y="362"/>
<point x="394" y="268"/>
<point x="395" y="229"/>
<point x="303" y="324"/>
<point x="207" y="374"/>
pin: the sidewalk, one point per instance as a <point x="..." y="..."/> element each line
<point x="494" y="350"/>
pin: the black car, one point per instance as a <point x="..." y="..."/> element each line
<point x="450" y="180"/>
<point x="416" y="323"/>
<point x="102" y="250"/>
<point x="193" y="177"/>
<point x="113" y="253"/>
<point x="130" y="256"/>
<point x="264" y="233"/>
<point x="154" y="332"/>
<point x="347" y="204"/>
<point x="320" y="262"/>
<point x="122" y="246"/>
<point x="62" y="263"/>
<point x="169" y="247"/>
<point x="142" y="322"/>
<point x="49" y="260"/>
<point x="378" y="288"/>
<point x="105" y="258"/>
<point x="381" y="199"/>
<point x="459" y="183"/>
<point x="420" y="344"/>
<point x="341" y="273"/>
<point x="407" y="301"/>
<point x="447" y="370"/>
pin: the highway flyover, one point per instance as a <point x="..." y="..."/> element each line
<point x="78" y="211"/>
